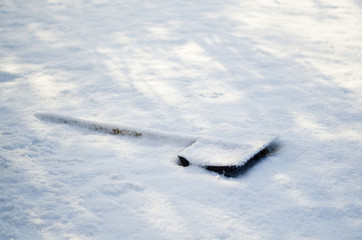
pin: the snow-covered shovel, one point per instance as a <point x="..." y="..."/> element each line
<point x="226" y="158"/>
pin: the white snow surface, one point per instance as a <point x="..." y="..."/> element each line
<point x="231" y="70"/>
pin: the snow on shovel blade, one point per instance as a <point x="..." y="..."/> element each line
<point x="226" y="158"/>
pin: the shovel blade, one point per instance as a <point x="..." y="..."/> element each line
<point x="224" y="158"/>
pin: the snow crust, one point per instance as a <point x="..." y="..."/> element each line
<point x="229" y="70"/>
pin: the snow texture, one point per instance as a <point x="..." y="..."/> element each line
<point x="230" y="70"/>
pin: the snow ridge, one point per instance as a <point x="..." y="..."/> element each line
<point x="116" y="129"/>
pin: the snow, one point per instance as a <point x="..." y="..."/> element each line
<point x="229" y="70"/>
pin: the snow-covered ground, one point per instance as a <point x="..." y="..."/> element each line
<point x="233" y="70"/>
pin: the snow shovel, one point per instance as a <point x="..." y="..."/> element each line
<point x="228" y="159"/>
